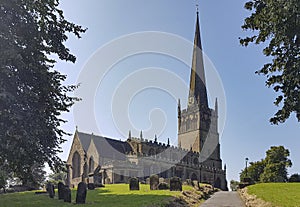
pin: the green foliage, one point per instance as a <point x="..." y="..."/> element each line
<point x="254" y="171"/>
<point x="276" y="165"/>
<point x="277" y="23"/>
<point x="112" y="195"/>
<point x="234" y="185"/>
<point x="273" y="168"/>
<point x="60" y="176"/>
<point x="278" y="194"/>
<point x="32" y="94"/>
<point x="294" y="178"/>
<point x="5" y="176"/>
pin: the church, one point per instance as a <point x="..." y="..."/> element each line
<point x="99" y="159"/>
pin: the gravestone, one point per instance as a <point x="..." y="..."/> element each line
<point x="60" y="187"/>
<point x="81" y="193"/>
<point x="148" y="181"/>
<point x="175" y="184"/>
<point x="163" y="186"/>
<point x="154" y="181"/>
<point x="50" y="190"/>
<point x="134" y="184"/>
<point x="97" y="177"/>
<point x="67" y="194"/>
<point x="196" y="184"/>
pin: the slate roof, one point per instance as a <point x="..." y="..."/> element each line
<point x="106" y="147"/>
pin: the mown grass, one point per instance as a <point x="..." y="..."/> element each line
<point x="278" y="194"/>
<point x="112" y="195"/>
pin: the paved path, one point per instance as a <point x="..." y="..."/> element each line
<point x="224" y="199"/>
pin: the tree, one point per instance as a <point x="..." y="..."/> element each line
<point x="294" y="178"/>
<point x="254" y="171"/>
<point x="32" y="94"/>
<point x="57" y="177"/>
<point x="273" y="168"/>
<point x="234" y="185"/>
<point x="277" y="23"/>
<point x="277" y="163"/>
<point x="4" y="176"/>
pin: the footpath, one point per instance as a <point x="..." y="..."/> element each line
<point x="224" y="199"/>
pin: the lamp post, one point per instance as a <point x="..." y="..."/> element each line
<point x="246" y="171"/>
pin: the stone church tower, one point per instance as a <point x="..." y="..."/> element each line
<point x="198" y="124"/>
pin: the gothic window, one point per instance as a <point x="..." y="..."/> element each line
<point x="188" y="124"/>
<point x="151" y="152"/>
<point x="193" y="176"/>
<point x="91" y="164"/>
<point x="195" y="161"/>
<point x="76" y="164"/>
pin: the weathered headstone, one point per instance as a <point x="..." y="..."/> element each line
<point x="161" y="180"/>
<point x="134" y="184"/>
<point x="81" y="193"/>
<point x="97" y="177"/>
<point x="60" y="187"/>
<point x="67" y="194"/>
<point x="196" y="184"/>
<point x="175" y="184"/>
<point x="50" y="190"/>
<point x="154" y="181"/>
<point x="163" y="186"/>
<point x="148" y="181"/>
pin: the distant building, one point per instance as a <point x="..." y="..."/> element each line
<point x="197" y="157"/>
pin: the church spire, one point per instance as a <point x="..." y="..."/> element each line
<point x="197" y="92"/>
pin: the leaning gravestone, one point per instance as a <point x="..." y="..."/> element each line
<point x="81" y="193"/>
<point x="67" y="194"/>
<point x="175" y="184"/>
<point x="50" y="190"/>
<point x="134" y="184"/>
<point x="154" y="181"/>
<point x="196" y="184"/>
<point x="60" y="188"/>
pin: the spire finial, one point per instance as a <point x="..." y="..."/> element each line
<point x="155" y="139"/>
<point x="197" y="6"/>
<point x="141" y="134"/>
<point x="168" y="142"/>
<point x="76" y="128"/>
<point x="129" y="134"/>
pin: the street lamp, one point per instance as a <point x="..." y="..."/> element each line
<point x="247" y="159"/>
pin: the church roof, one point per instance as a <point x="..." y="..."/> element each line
<point x="106" y="147"/>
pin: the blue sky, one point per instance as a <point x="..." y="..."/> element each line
<point x="249" y="104"/>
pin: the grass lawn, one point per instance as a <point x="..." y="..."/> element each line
<point x="279" y="194"/>
<point x="112" y="195"/>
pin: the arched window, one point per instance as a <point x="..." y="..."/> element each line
<point x="151" y="152"/>
<point x="76" y="165"/>
<point x="195" y="161"/>
<point x="91" y="164"/>
<point x="193" y="176"/>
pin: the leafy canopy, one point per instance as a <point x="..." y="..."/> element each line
<point x="277" y="23"/>
<point x="32" y="94"/>
<point x="273" y="168"/>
